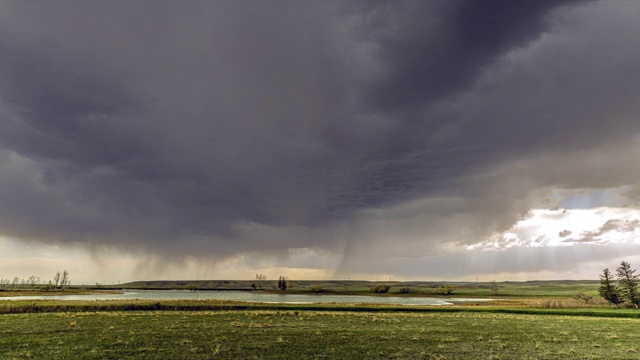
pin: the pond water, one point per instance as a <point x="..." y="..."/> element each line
<point x="250" y="297"/>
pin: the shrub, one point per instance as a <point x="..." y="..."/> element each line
<point x="404" y="290"/>
<point x="381" y="289"/>
<point x="630" y="305"/>
<point x="582" y="296"/>
<point x="445" y="290"/>
<point x="316" y="289"/>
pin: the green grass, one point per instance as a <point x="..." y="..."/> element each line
<point x="308" y="334"/>
<point x="527" y="320"/>
<point x="552" y="288"/>
<point x="417" y="288"/>
<point x="507" y="307"/>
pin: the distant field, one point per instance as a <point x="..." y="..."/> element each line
<point x="416" y="288"/>
<point x="270" y="334"/>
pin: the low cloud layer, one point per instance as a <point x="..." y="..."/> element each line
<point x="369" y="130"/>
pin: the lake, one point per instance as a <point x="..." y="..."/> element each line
<point x="249" y="297"/>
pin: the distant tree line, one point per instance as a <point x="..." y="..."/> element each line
<point x="20" y="283"/>
<point x="283" y="282"/>
<point x="60" y="282"/>
<point x="621" y="288"/>
<point x="259" y="280"/>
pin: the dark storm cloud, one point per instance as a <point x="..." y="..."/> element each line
<point x="223" y="127"/>
<point x="61" y="111"/>
<point x="431" y="49"/>
<point x="127" y="132"/>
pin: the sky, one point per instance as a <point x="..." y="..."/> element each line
<point x="402" y="140"/>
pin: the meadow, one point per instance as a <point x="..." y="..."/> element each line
<point x="308" y="334"/>
<point x="356" y="287"/>
<point x="545" y="324"/>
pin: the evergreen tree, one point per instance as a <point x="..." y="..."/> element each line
<point x="284" y="284"/>
<point x="608" y="290"/>
<point x="628" y="282"/>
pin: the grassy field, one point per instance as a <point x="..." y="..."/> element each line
<point x="527" y="320"/>
<point x="289" y="334"/>
<point x="416" y="288"/>
<point x="30" y="292"/>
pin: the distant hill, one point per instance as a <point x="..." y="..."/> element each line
<point x="507" y="288"/>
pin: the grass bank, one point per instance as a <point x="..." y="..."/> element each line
<point x="517" y="307"/>
<point x="75" y="291"/>
<point x="311" y="334"/>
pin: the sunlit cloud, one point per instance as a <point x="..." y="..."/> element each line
<point x="562" y="227"/>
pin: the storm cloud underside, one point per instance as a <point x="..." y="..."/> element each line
<point x="374" y="130"/>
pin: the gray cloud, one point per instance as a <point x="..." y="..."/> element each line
<point x="632" y="194"/>
<point x="556" y="261"/>
<point x="565" y="233"/>
<point x="429" y="50"/>
<point x="217" y="128"/>
<point x="612" y="225"/>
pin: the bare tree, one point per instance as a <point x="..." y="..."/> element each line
<point x="260" y="278"/>
<point x="493" y="286"/>
<point x="49" y="286"/>
<point x="4" y="283"/>
<point x="56" y="279"/>
<point x="64" y="280"/>
<point x="15" y="282"/>
<point x="33" y="280"/>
